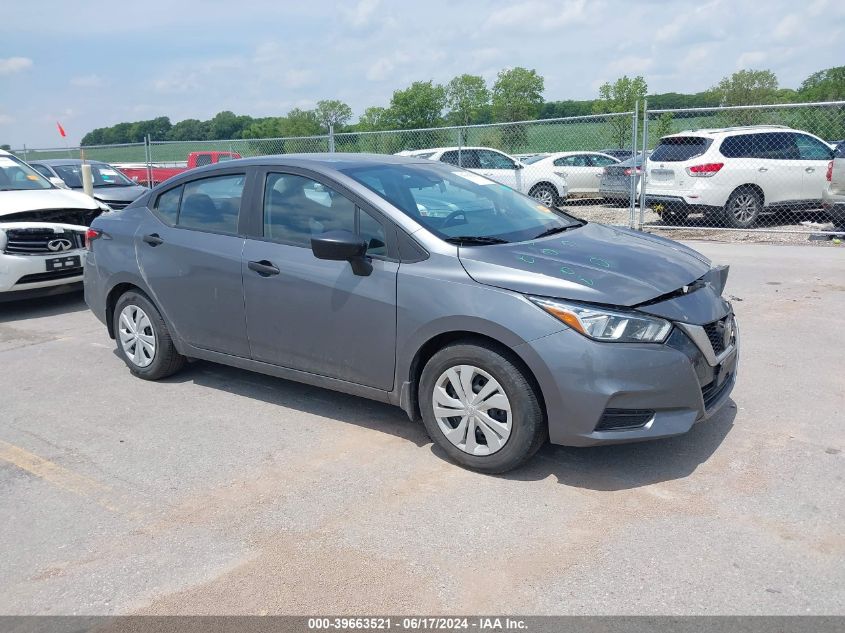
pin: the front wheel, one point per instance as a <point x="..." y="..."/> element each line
<point x="479" y="406"/>
<point x="143" y="340"/>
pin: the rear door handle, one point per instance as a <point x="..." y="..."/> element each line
<point x="153" y="239"/>
<point x="810" y="170"/>
<point x="763" y="169"/>
<point x="263" y="268"/>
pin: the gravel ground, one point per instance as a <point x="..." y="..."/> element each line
<point x="697" y="228"/>
<point x="222" y="491"/>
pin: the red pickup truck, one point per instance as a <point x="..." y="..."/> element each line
<point x="155" y="173"/>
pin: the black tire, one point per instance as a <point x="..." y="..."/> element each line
<point x="166" y="360"/>
<point x="674" y="217"/>
<point x="543" y="193"/>
<point x="528" y="424"/>
<point x="743" y="208"/>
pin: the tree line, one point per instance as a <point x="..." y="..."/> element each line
<point x="516" y="95"/>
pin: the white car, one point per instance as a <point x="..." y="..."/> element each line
<point x="582" y="171"/>
<point x="736" y="173"/>
<point x="544" y="185"/>
<point x="42" y="232"/>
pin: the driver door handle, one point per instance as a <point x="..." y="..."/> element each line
<point x="153" y="239"/>
<point x="763" y="169"/>
<point x="263" y="268"/>
<point x="810" y="170"/>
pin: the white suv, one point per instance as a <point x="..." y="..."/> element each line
<point x="42" y="232"/>
<point x="736" y="173"/>
<point x="540" y="183"/>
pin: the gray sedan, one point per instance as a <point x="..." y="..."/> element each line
<point x="496" y="321"/>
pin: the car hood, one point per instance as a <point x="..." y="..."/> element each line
<point x="119" y="194"/>
<point x="38" y="199"/>
<point x="593" y="263"/>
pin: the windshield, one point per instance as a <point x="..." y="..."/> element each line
<point x="460" y="206"/>
<point x="673" y="149"/>
<point x="532" y="159"/>
<point x="15" y="175"/>
<point x="104" y="175"/>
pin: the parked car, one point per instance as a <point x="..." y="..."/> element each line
<point x="582" y="171"/>
<point x="833" y="196"/>
<point x="110" y="185"/>
<point x="615" y="181"/>
<point x="621" y="154"/>
<point x="159" y="172"/>
<point x="735" y="174"/>
<point x="499" y="326"/>
<point x="547" y="187"/>
<point x="42" y="232"/>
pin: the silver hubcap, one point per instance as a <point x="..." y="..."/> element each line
<point x="472" y="410"/>
<point x="744" y="207"/>
<point x="545" y="196"/>
<point x="137" y="337"/>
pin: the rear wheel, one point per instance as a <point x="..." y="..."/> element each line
<point x="743" y="208"/>
<point x="480" y="408"/>
<point x="545" y="194"/>
<point x="143" y="340"/>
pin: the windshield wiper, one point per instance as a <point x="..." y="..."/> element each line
<point x="556" y="229"/>
<point x="476" y="239"/>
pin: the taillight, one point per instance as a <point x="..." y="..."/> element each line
<point x="628" y="171"/>
<point x="705" y="171"/>
<point x="829" y="175"/>
<point x="90" y="236"/>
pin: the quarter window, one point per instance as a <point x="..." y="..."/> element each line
<point x="212" y="204"/>
<point x="602" y="161"/>
<point x="572" y="161"/>
<point x="167" y="204"/>
<point x="494" y="160"/>
<point x="812" y="149"/>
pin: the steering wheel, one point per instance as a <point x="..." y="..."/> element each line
<point x="448" y="220"/>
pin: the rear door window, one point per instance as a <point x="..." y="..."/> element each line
<point x="775" y="146"/>
<point x="739" y="146"/>
<point x="674" y="149"/>
<point x="212" y="204"/>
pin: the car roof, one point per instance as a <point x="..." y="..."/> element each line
<point x="450" y="149"/>
<point x="734" y="130"/>
<point x="64" y="161"/>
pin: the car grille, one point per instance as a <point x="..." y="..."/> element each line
<point x="50" y="276"/>
<point x="715" y="333"/>
<point x="34" y="241"/>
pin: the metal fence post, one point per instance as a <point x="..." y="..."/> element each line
<point x="148" y="155"/>
<point x="633" y="200"/>
<point x="460" y="132"/>
<point x="643" y="177"/>
<point x="331" y="138"/>
<point x="24" y="152"/>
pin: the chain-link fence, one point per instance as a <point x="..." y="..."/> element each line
<point x="753" y="168"/>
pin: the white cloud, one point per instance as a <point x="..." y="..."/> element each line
<point x="789" y="27"/>
<point x="361" y="13"/>
<point x="538" y="15"/>
<point x="380" y="70"/>
<point x="87" y="81"/>
<point x="630" y="65"/>
<point x="10" y="65"/>
<point x="751" y="59"/>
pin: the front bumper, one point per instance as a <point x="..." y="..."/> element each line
<point x="20" y="273"/>
<point x="581" y="380"/>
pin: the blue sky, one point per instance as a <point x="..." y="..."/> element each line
<point x="93" y="64"/>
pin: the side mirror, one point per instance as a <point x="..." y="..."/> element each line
<point x="342" y="246"/>
<point x="57" y="182"/>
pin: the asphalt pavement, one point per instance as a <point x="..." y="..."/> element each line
<point x="220" y="491"/>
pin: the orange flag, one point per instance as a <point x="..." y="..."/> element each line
<point x="61" y="129"/>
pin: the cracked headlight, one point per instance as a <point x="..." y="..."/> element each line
<point x="604" y="324"/>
